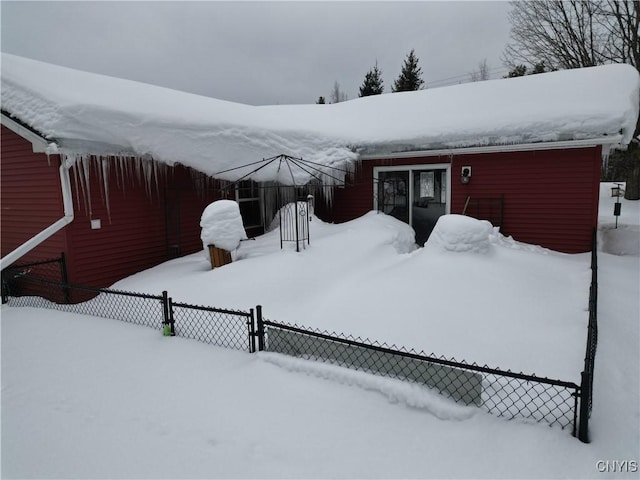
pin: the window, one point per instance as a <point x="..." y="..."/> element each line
<point x="248" y="197"/>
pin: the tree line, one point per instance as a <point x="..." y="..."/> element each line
<point x="410" y="78"/>
<point x="548" y="35"/>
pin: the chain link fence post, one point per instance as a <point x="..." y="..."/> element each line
<point x="166" y="325"/>
<point x="251" y="325"/>
<point x="260" y="328"/>
<point x="583" y="429"/>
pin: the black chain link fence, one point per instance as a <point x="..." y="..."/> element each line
<point x="53" y="269"/>
<point x="226" y="328"/>
<point x="500" y="392"/>
<point x="586" y="399"/>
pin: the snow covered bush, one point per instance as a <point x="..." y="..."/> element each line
<point x="222" y="226"/>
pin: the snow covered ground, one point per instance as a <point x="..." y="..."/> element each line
<point x="488" y="300"/>
<point x="93" y="398"/>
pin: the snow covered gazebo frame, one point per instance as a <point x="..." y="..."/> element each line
<point x="287" y="197"/>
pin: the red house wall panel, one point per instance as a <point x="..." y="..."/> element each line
<point x="131" y="234"/>
<point x="30" y="196"/>
<point x="550" y="196"/>
<point x="135" y="230"/>
<point x="187" y="195"/>
<point x="140" y="229"/>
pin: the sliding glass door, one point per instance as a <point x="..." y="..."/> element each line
<point x="417" y="195"/>
<point x="429" y="201"/>
<point x="393" y="192"/>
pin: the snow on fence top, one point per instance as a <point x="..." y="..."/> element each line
<point x="86" y="113"/>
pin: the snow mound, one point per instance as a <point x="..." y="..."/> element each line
<point x="498" y="240"/>
<point x="459" y="233"/>
<point x="623" y="240"/>
<point x="396" y="391"/>
<point x="222" y="226"/>
<point x="383" y="230"/>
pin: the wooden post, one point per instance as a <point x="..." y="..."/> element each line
<point x="218" y="256"/>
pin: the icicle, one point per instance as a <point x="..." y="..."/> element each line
<point x="96" y="164"/>
<point x="86" y="172"/>
<point x="148" y="174"/>
<point x="104" y="164"/>
<point x="606" y="151"/>
<point x="157" y="175"/>
<point x="75" y="180"/>
<point x="79" y="173"/>
<point x="119" y="174"/>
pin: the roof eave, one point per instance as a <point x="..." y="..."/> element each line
<point x="38" y="142"/>
<point x="608" y="140"/>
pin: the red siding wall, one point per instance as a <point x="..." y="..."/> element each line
<point x="133" y="239"/>
<point x="30" y="196"/>
<point x="142" y="230"/>
<point x="550" y="197"/>
<point x="186" y="198"/>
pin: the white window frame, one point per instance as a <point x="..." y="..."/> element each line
<point x="410" y="169"/>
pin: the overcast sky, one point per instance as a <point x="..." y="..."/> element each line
<point x="260" y="52"/>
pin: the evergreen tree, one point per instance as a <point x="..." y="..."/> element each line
<point x="372" y="84"/>
<point x="518" y="71"/>
<point x="521" y="70"/>
<point x="411" y="75"/>
<point x="539" y="67"/>
<point x="321" y="100"/>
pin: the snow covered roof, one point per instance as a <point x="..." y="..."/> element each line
<point x="86" y="113"/>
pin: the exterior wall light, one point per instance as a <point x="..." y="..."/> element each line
<point x="617" y="191"/>
<point x="465" y="177"/>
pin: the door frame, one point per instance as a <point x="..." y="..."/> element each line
<point x="411" y="169"/>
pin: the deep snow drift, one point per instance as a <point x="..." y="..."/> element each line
<point x="470" y="293"/>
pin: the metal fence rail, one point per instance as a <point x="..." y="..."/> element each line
<point x="500" y="392"/>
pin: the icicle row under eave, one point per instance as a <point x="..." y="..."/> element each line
<point x="142" y="169"/>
